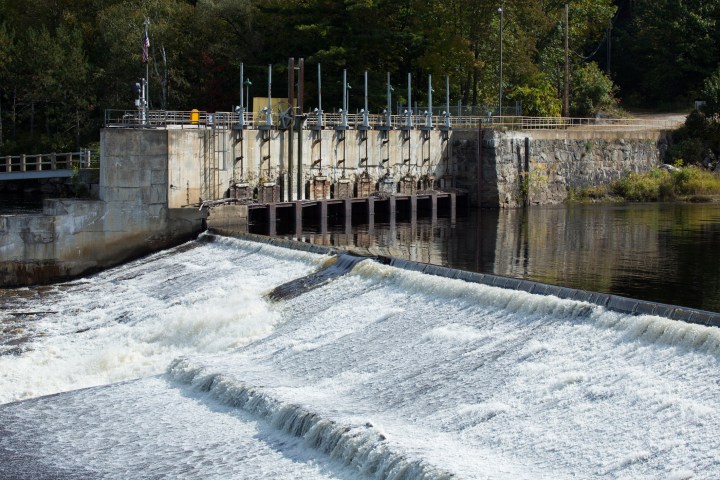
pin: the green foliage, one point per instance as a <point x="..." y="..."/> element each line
<point x="588" y="194"/>
<point x="695" y="138"/>
<point x="711" y="94"/>
<point x="651" y="186"/>
<point x="689" y="150"/>
<point x="666" y="48"/>
<point x="660" y="184"/>
<point x="592" y="91"/>
<point x="63" y="62"/>
<point x="539" y="100"/>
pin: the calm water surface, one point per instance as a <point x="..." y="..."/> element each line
<point x="668" y="253"/>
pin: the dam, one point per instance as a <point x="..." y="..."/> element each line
<point x="222" y="358"/>
<point x="164" y="176"/>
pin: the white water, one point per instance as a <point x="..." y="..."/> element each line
<point x="380" y="374"/>
<point x="133" y="320"/>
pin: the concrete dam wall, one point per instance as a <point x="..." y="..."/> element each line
<point x="152" y="181"/>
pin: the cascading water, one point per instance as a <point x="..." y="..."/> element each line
<point x="362" y="370"/>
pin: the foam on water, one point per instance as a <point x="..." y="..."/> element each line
<point x="385" y="373"/>
<point x="132" y="321"/>
<point x="481" y="382"/>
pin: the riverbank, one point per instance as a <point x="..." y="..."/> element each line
<point x="666" y="183"/>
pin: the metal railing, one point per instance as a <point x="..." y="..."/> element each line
<point x="198" y="119"/>
<point x="44" y="162"/>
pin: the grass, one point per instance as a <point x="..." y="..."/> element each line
<point x="688" y="183"/>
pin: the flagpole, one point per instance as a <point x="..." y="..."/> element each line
<point x="147" y="70"/>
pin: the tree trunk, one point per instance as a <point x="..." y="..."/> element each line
<point x="14" y="113"/>
<point x="1" y="124"/>
<point x="476" y="55"/>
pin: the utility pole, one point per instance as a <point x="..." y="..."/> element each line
<point x="500" y="93"/>
<point x="566" y="95"/>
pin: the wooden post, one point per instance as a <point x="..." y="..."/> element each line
<point x="23" y="167"/>
<point x="8" y="164"/>
<point x="53" y="161"/>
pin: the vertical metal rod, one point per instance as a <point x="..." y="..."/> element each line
<point x="409" y="104"/>
<point x="344" y="97"/>
<point x="147" y="71"/>
<point x="447" y="101"/>
<point x="430" y="122"/>
<point x="291" y="153"/>
<point x="299" y="126"/>
<point x="320" y="110"/>
<point x="319" y="89"/>
<point x="241" y="113"/>
<point x="389" y="102"/>
<point x="366" y="113"/>
<point x="343" y="116"/>
<point x="269" y="105"/>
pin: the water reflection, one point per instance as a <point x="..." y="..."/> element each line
<point x="661" y="252"/>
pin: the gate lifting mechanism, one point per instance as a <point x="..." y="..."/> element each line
<point x="343" y="189"/>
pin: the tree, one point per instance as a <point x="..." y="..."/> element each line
<point x="667" y="48"/>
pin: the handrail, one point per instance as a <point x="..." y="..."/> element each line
<point x="231" y="120"/>
<point x="44" y="162"/>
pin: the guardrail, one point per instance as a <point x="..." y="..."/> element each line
<point x="201" y="119"/>
<point x="44" y="165"/>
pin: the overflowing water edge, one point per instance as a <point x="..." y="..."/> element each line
<point x="327" y="365"/>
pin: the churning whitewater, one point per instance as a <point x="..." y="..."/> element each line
<point x="229" y="359"/>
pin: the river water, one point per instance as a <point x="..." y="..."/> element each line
<point x="179" y="365"/>
<point x="668" y="253"/>
<point x="183" y="365"/>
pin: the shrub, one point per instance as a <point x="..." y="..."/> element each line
<point x="592" y="91"/>
<point x="660" y="184"/>
<point x="689" y="150"/>
<point x="711" y="94"/>
<point x="538" y="101"/>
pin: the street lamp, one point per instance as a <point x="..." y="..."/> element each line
<point x="500" y="94"/>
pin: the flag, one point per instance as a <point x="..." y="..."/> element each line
<point x="145" y="47"/>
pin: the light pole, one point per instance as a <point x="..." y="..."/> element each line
<point x="500" y="88"/>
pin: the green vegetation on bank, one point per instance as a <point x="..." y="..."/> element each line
<point x="691" y="183"/>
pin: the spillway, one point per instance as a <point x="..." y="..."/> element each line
<point x="234" y="359"/>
